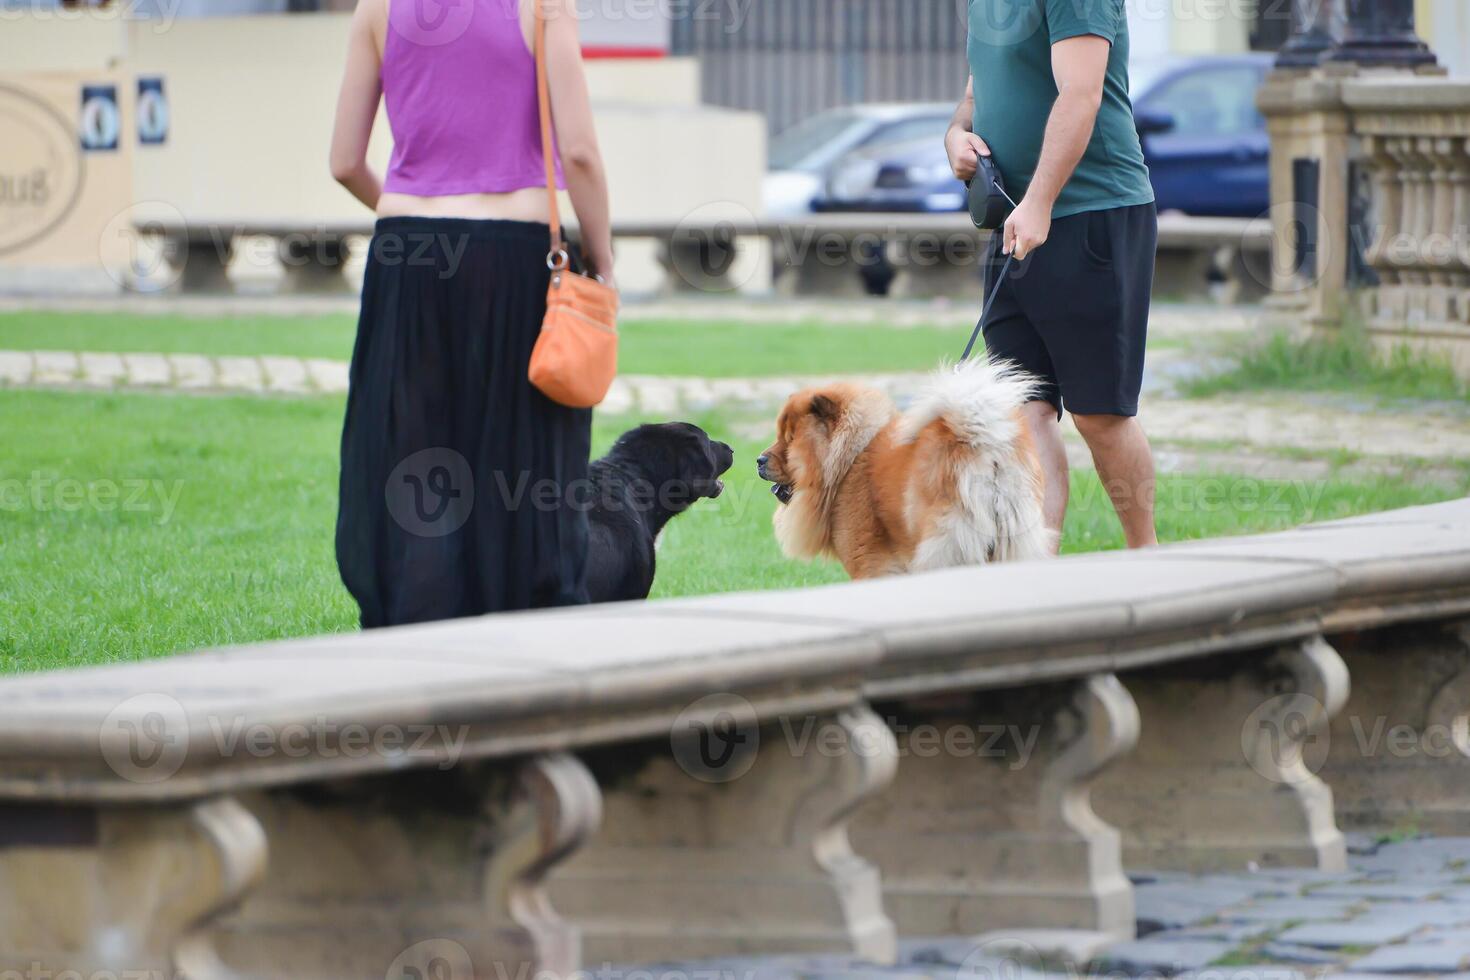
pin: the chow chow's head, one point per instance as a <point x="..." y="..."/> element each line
<point x="819" y="433"/>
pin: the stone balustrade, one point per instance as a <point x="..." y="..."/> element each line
<point x="908" y="255"/>
<point x="953" y="753"/>
<point x="1370" y="187"/>
<point x="1415" y="136"/>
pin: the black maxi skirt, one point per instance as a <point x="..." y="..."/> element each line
<point x="459" y="478"/>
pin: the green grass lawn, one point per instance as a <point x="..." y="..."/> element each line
<point x="136" y="525"/>
<point x="1345" y="362"/>
<point x="705" y="348"/>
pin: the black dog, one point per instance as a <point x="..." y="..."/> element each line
<point x="652" y="474"/>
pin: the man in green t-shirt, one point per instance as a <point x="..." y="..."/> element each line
<point x="1048" y="97"/>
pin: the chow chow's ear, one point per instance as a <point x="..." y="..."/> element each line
<point x="825" y="408"/>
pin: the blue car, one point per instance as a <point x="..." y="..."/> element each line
<point x="1204" y="140"/>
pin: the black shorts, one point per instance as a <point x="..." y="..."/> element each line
<point x="1075" y="311"/>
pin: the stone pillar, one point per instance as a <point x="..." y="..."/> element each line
<point x="1310" y="150"/>
<point x="1399" y="753"/>
<point x="1381" y="32"/>
<point x="1223" y="776"/>
<point x="1314" y="28"/>
<point x="733" y="840"/>
<point x="1315" y="153"/>
<point x="988" y="825"/>
<point x="122" y="891"/>
<point x="438" y="872"/>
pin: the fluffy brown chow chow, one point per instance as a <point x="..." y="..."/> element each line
<point x="954" y="480"/>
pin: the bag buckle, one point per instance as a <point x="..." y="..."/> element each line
<point x="557" y="260"/>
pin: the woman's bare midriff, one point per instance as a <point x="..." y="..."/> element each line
<point x="526" y="204"/>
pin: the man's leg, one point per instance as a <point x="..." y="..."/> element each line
<point x="1046" y="433"/>
<point x="1125" y="464"/>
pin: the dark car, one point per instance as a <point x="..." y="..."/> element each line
<point x="1204" y="140"/>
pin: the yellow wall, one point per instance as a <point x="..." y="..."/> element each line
<point x="1210" y="27"/>
<point x="80" y="221"/>
<point x="251" y="106"/>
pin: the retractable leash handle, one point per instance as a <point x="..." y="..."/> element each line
<point x="993" y="217"/>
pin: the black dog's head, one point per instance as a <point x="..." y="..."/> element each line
<point x="678" y="461"/>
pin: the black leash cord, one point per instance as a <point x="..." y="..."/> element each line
<point x="995" y="291"/>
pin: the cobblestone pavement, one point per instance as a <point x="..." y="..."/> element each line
<point x="1402" y="910"/>
<point x="1262" y="422"/>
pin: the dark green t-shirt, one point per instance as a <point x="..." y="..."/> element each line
<point x="1010" y="58"/>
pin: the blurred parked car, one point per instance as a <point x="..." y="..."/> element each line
<point x="912" y="176"/>
<point x="801" y="155"/>
<point x="1204" y="140"/>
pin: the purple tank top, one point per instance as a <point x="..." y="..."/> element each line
<point x="460" y="90"/>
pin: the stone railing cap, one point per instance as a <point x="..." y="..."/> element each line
<point x="569" y="678"/>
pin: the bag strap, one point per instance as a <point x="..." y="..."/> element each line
<point x="557" y="257"/>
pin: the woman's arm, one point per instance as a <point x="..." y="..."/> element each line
<point x="571" y="112"/>
<point x="357" y="106"/>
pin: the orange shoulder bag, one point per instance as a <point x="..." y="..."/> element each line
<point x="576" y="355"/>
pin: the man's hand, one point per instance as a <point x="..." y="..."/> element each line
<point x="965" y="150"/>
<point x="1027" y="228"/>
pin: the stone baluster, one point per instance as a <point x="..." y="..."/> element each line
<point x="1223" y="774"/>
<point x="123" y="891"/>
<point x="1388" y="194"/>
<point x="1459" y="154"/>
<point x="731" y="838"/>
<point x="1403" y="251"/>
<point x="989" y="824"/>
<point x="1436" y="247"/>
<point x="427" y="873"/>
<point x="1398" y="755"/>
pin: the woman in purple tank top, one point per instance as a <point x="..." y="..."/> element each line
<point x="459" y="479"/>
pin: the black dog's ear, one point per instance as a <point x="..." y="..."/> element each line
<point x="825" y="408"/>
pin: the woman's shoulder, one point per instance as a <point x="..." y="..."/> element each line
<point x="372" y="15"/>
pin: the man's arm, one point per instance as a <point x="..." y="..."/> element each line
<point x="965" y="148"/>
<point x="1079" y="65"/>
